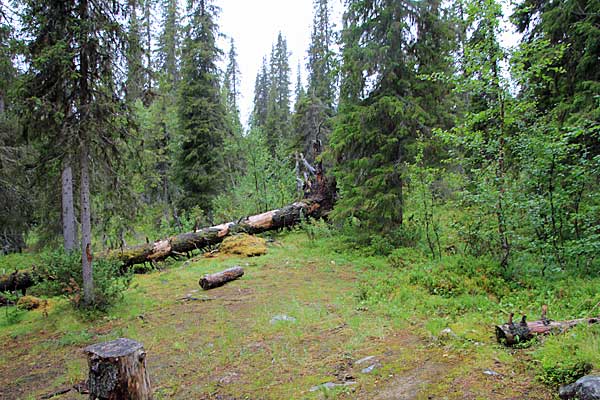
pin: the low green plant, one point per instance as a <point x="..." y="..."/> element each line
<point x="63" y="276"/>
<point x="567" y="357"/>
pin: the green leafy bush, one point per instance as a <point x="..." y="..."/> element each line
<point x="567" y="357"/>
<point x="63" y="275"/>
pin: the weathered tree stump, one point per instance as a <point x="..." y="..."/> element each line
<point x="220" y="278"/>
<point x="118" y="371"/>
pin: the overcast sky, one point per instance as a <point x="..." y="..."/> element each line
<point x="254" y="25"/>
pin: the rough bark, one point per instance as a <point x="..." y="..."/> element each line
<point x="512" y="333"/>
<point x="317" y="204"/>
<point x="212" y="281"/>
<point x="68" y="210"/>
<point x="117" y="371"/>
<point x="86" y="229"/>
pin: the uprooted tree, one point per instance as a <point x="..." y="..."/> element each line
<point x="319" y="193"/>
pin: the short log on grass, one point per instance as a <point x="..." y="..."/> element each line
<point x="512" y="333"/>
<point x="117" y="371"/>
<point x="220" y="278"/>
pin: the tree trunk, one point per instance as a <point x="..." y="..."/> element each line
<point x="511" y="333"/>
<point x="117" y="371"/>
<point x="68" y="210"/>
<point x="202" y="238"/>
<point x="86" y="229"/>
<point x="220" y="278"/>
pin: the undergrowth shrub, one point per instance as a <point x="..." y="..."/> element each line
<point x="63" y="274"/>
<point x="567" y="357"/>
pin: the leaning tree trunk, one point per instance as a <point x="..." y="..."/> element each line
<point x="319" y="202"/>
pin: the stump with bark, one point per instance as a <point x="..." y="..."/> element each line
<point x="117" y="371"/>
<point x="220" y="278"/>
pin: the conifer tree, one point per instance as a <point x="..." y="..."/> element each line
<point x="378" y="117"/>
<point x="168" y="53"/>
<point x="135" y="69"/>
<point x="321" y="56"/>
<point x="261" y="96"/>
<point x="277" y="125"/>
<point x="231" y="84"/>
<point x="202" y="116"/>
<point x="312" y="116"/>
<point x="73" y="103"/>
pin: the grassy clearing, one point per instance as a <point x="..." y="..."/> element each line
<point x="340" y="307"/>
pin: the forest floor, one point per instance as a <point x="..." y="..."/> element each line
<point x="299" y="318"/>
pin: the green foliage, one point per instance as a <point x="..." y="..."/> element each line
<point x="565" y="358"/>
<point x="202" y="115"/>
<point x="267" y="181"/>
<point x="64" y="277"/>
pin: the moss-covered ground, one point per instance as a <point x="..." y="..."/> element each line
<point x="301" y="316"/>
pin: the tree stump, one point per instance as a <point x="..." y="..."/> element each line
<point x="117" y="371"/>
<point x="220" y="278"/>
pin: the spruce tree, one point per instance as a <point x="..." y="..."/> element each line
<point x="231" y="85"/>
<point x="74" y="108"/>
<point x="321" y="56"/>
<point x="135" y="69"/>
<point x="202" y="116"/>
<point x="261" y="96"/>
<point x="378" y="118"/>
<point x="313" y="113"/>
<point x="277" y="125"/>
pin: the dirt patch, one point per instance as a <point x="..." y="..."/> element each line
<point x="411" y="384"/>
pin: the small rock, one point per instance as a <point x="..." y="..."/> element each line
<point x="331" y="385"/>
<point x="586" y="388"/>
<point x="228" y="378"/>
<point x="491" y="373"/>
<point x="282" y="317"/>
<point x="370" y="368"/>
<point x="364" y="360"/>
<point x="447" y="332"/>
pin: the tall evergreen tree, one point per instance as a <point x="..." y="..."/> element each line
<point x="71" y="89"/>
<point x="261" y="96"/>
<point x="135" y="68"/>
<point x="168" y="53"/>
<point x="321" y="56"/>
<point x="232" y="83"/>
<point x="313" y="113"/>
<point x="277" y="126"/>
<point x="202" y="116"/>
<point x="378" y="117"/>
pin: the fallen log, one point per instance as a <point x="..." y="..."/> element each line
<point x="212" y="281"/>
<point x="17" y="280"/>
<point x="318" y="204"/>
<point x="512" y="333"/>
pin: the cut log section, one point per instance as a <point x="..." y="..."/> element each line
<point x="117" y="371"/>
<point x="220" y="278"/>
<point x="513" y="333"/>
